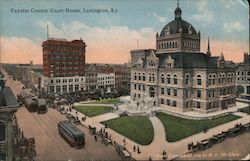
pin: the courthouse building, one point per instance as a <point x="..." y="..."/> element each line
<point x="176" y="75"/>
<point x="243" y="78"/>
<point x="63" y="66"/>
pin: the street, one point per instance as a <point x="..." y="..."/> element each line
<point x="49" y="144"/>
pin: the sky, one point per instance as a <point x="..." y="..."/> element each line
<point x="111" y="35"/>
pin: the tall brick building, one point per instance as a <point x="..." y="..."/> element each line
<point x="63" y="65"/>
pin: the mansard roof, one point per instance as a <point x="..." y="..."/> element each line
<point x="188" y="60"/>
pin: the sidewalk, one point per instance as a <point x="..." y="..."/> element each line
<point x="159" y="143"/>
<point x="188" y="114"/>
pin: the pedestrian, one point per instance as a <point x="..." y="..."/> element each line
<point x="134" y="148"/>
<point x="138" y="150"/>
<point x="95" y="138"/>
<point x="106" y="134"/>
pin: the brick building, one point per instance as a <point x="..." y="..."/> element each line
<point x="63" y="66"/>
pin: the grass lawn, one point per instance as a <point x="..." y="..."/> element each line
<point x="246" y="110"/>
<point x="137" y="128"/>
<point x="178" y="128"/>
<point x="105" y="101"/>
<point x="93" y="110"/>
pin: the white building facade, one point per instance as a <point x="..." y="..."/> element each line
<point x="64" y="84"/>
<point x="106" y="80"/>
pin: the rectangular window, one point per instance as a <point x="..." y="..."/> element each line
<point x="198" y="93"/>
<point x="162" y="101"/>
<point x="248" y="89"/>
<point x="76" y="87"/>
<point x="169" y="91"/>
<point x="64" y="88"/>
<point x="58" y="89"/>
<point x="135" y="86"/>
<point x="175" y="92"/>
<point x="169" y="80"/>
<point x="186" y="91"/>
<point x="51" y="89"/>
<point x="70" y="88"/>
<point x="175" y="80"/>
<point x="198" y="105"/>
<point x="199" y="81"/>
<point x="174" y="103"/>
<point x="162" y="90"/>
<point x="168" y="102"/>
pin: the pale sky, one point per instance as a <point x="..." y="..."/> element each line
<point x="110" y="36"/>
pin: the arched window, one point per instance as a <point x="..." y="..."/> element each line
<point x="198" y="80"/>
<point x="153" y="77"/>
<point x="139" y="76"/>
<point x="2" y="132"/>
<point x="162" y="78"/>
<point x="213" y="80"/>
<point x="175" y="79"/>
<point x="228" y="77"/>
<point x="210" y="79"/>
<point x="143" y="77"/>
<point x="223" y="78"/>
<point x="150" y="78"/>
<point x="168" y="78"/>
<point x="135" y="76"/>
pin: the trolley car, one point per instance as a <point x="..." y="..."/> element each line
<point x="71" y="134"/>
<point x="42" y="107"/>
<point x="30" y="104"/>
<point x="33" y="104"/>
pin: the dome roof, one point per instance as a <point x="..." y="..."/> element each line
<point x="176" y="26"/>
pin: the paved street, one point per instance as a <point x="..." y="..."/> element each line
<point x="44" y="129"/>
<point x="49" y="144"/>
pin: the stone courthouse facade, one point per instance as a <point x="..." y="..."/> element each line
<point x="176" y="75"/>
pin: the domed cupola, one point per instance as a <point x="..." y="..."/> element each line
<point x="178" y="36"/>
<point x="177" y="12"/>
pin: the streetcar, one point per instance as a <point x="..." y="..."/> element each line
<point x="30" y="104"/>
<point x="71" y="134"/>
<point x="42" y="106"/>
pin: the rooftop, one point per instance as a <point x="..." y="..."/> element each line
<point x="7" y="98"/>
